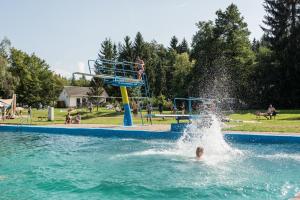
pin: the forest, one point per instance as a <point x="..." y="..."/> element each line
<point x="220" y="62"/>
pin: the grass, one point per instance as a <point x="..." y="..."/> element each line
<point x="286" y="120"/>
<point x="103" y="116"/>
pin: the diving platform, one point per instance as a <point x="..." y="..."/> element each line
<point x="116" y="73"/>
<point x="115" y="80"/>
<point x="120" y="74"/>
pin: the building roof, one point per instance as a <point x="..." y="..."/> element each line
<point x="80" y="91"/>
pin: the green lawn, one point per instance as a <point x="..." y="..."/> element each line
<point x="103" y="116"/>
<point x="286" y="120"/>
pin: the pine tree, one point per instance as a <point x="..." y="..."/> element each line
<point x="282" y="33"/>
<point x="126" y="50"/>
<point x="139" y="46"/>
<point x="96" y="90"/>
<point x="255" y="45"/>
<point x="108" y="50"/>
<point x="174" y="43"/>
<point x="183" y="47"/>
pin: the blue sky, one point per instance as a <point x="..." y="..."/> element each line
<point x="66" y="33"/>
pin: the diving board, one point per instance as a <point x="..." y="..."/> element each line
<point x="120" y="74"/>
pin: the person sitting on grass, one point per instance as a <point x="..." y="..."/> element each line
<point x="199" y="152"/>
<point x="77" y="118"/>
<point x="68" y="118"/>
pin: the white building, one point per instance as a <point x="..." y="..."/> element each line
<point x="74" y="96"/>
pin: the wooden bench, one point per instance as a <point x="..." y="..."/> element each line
<point x="183" y="117"/>
<point x="42" y="118"/>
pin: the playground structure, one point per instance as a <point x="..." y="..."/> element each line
<point x="119" y="74"/>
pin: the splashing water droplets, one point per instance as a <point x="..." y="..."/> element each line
<point x="205" y="132"/>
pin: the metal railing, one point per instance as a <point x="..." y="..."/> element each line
<point x="123" y="69"/>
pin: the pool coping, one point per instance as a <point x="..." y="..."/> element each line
<point x="231" y="136"/>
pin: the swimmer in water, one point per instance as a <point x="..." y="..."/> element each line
<point x="199" y="152"/>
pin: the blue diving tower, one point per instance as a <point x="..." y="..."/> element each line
<point x="119" y="74"/>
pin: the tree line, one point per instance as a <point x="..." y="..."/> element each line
<point x="28" y="76"/>
<point x="220" y="62"/>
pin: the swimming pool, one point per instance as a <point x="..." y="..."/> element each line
<point x="47" y="166"/>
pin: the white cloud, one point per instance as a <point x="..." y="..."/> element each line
<point x="61" y="69"/>
<point x="67" y="69"/>
<point x="81" y="67"/>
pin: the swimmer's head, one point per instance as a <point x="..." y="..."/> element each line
<point x="199" y="152"/>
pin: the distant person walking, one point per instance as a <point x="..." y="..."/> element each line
<point x="149" y="112"/>
<point x="160" y="109"/>
<point x="271" y="111"/>
<point x="29" y="112"/>
<point x="183" y="108"/>
<point x="90" y="107"/>
<point x="29" y="117"/>
<point x="3" y="113"/>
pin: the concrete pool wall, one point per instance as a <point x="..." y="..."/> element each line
<point x="142" y="134"/>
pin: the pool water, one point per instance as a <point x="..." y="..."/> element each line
<point x="42" y="166"/>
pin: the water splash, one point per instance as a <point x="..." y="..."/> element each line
<point x="206" y="132"/>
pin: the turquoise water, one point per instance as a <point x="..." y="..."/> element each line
<point x="41" y="166"/>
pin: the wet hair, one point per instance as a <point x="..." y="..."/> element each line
<point x="199" y="151"/>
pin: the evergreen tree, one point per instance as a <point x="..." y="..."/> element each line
<point x="96" y="90"/>
<point x="255" y="45"/>
<point x="126" y="50"/>
<point x="5" y="46"/>
<point x="108" y="50"/>
<point x="174" y="43"/>
<point x="282" y="33"/>
<point x="183" y="47"/>
<point x="138" y="46"/>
